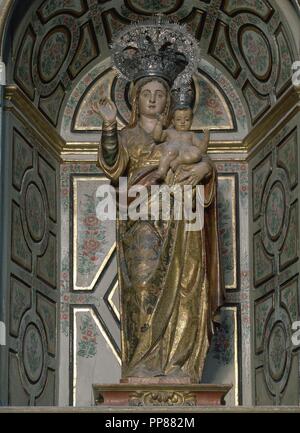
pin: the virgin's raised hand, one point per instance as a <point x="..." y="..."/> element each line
<point x="105" y="108"/>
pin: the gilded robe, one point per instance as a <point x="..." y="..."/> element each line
<point x="169" y="278"/>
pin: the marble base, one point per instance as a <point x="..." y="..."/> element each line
<point x="160" y="394"/>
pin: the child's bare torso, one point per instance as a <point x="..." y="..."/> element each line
<point x="182" y="138"/>
<point x="179" y="147"/>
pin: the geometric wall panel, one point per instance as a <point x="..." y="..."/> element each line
<point x="263" y="266"/>
<point x="221" y="50"/>
<point x="89" y="336"/>
<point x="32" y="351"/>
<point x="47" y="312"/>
<point x="23" y="70"/>
<point x="90" y="322"/>
<point x="288" y="157"/>
<point x="87" y="51"/>
<point x="47" y="264"/>
<point x="290" y="248"/>
<point x="148" y="8"/>
<point x="286" y="63"/>
<point x="262" y="310"/>
<point x="47" y="173"/>
<point x="49" y="106"/>
<point x="259" y="177"/>
<point x="20" y="252"/>
<point x="48" y="8"/>
<point x="260" y="7"/>
<point x="260" y="66"/>
<point x="93" y="240"/>
<point x="32" y="270"/>
<point x="275" y="240"/>
<point x="22" y="158"/>
<point x="257" y="104"/>
<point x="20" y="301"/>
<point x="290" y="394"/>
<point x="263" y="397"/>
<point x="289" y="298"/>
<point x="47" y="396"/>
<point x="17" y="395"/>
<point x="56" y="43"/>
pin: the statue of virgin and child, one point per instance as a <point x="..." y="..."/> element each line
<point x="170" y="278"/>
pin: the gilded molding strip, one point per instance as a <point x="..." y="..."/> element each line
<point x="47" y="145"/>
<point x="236" y="364"/>
<point x="260" y="133"/>
<point x="111" y="302"/>
<point x="74" y="354"/>
<point x="72" y="151"/>
<point x="75" y="237"/>
<point x="292" y="113"/>
<point x="26" y="111"/>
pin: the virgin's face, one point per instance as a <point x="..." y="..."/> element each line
<point x="152" y="99"/>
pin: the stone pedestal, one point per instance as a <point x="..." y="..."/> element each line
<point x="141" y="392"/>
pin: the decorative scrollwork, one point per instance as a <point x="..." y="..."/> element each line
<point x="162" y="398"/>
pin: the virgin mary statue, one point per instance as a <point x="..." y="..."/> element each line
<point x="169" y="277"/>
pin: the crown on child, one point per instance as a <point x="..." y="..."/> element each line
<point x="183" y="97"/>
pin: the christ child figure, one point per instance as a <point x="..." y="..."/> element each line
<point x="181" y="146"/>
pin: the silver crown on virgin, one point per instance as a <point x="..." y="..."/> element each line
<point x="156" y="48"/>
<point x="183" y="97"/>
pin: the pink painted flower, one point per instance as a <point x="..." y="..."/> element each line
<point x="91" y="220"/>
<point x="91" y="245"/>
<point x="212" y="103"/>
<point x="87" y="80"/>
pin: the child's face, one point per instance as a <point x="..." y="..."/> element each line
<point x="183" y="119"/>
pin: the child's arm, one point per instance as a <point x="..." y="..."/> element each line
<point x="202" y="144"/>
<point x="159" y="134"/>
